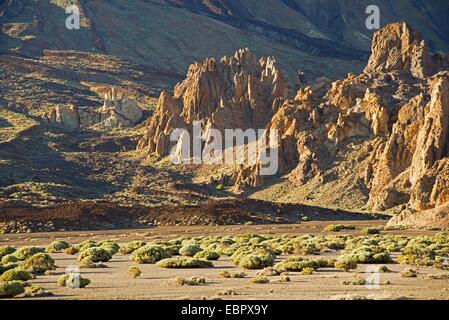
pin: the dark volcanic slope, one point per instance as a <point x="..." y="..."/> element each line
<point x="167" y="35"/>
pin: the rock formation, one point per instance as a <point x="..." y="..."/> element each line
<point x="382" y="134"/>
<point x="115" y="113"/>
<point x="238" y="92"/>
<point x="396" y="114"/>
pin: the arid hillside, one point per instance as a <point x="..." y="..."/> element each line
<point x="320" y="37"/>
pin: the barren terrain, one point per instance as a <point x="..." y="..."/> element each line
<point x="115" y="283"/>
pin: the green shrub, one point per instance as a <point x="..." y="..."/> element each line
<point x="5" y="250"/>
<point x="383" y="269"/>
<point x="345" y="263"/>
<point x="94" y="254"/>
<point x="326" y="263"/>
<point x="173" y="249"/>
<point x="11" y="289"/>
<point x="73" y="280"/>
<point x="338" y="227"/>
<point x="190" y="249"/>
<point x="131" y="247"/>
<point x="369" y="254"/>
<point x="16" y="275"/>
<point x="426" y="251"/>
<point x="36" y="291"/>
<point x="39" y="263"/>
<point x="134" y="272"/>
<point x="260" y="280"/>
<point x="207" y="255"/>
<point x="253" y="257"/>
<point x="57" y="246"/>
<point x="86" y="245"/>
<point x="150" y="254"/>
<point x="370" y="230"/>
<point x="296" y="264"/>
<point x="184" y="263"/>
<point x="9" y="258"/>
<point x="254" y="261"/>
<point x="307" y="271"/>
<point x="305" y="247"/>
<point x="110" y="246"/>
<point x="6" y="267"/>
<point x="26" y="252"/>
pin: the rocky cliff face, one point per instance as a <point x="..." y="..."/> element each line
<point x="383" y="133"/>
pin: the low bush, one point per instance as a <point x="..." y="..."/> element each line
<point x="73" y="280"/>
<point x="110" y="246"/>
<point x="296" y="264"/>
<point x="427" y="251"/>
<point x="9" y="258"/>
<point x="345" y="263"/>
<point x="94" y="254"/>
<point x="36" y="291"/>
<point x="370" y="230"/>
<point x="86" y="245"/>
<point x="26" y="252"/>
<point x="255" y="261"/>
<point x="190" y="249"/>
<point x="16" y="275"/>
<point x="38" y="263"/>
<point x="383" y="269"/>
<point x="173" y="249"/>
<point x="207" y="255"/>
<point x="134" y="272"/>
<point x="307" y="271"/>
<point x="260" y="280"/>
<point x="369" y="254"/>
<point x="6" y="267"/>
<point x="184" y="263"/>
<point x="131" y="247"/>
<point x="5" y="250"/>
<point x="150" y="254"/>
<point x="11" y="289"/>
<point x="253" y="257"/>
<point x="326" y="263"/>
<point x="57" y="246"/>
<point x="338" y="227"/>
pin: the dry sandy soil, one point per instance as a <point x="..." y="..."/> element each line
<point x="115" y="283"/>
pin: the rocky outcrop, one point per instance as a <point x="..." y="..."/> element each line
<point x="237" y="92"/>
<point x="398" y="47"/>
<point x="115" y="113"/>
<point x="382" y="135"/>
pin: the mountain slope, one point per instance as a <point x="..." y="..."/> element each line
<point x="169" y="34"/>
